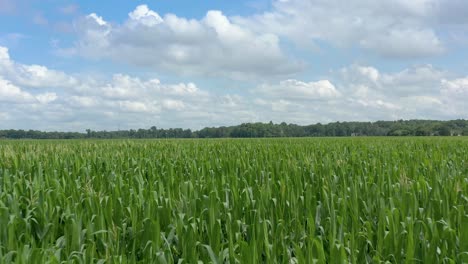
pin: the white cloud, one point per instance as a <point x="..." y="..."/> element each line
<point x="124" y="87"/>
<point x="232" y="101"/>
<point x="452" y="12"/>
<point x="173" y="104"/>
<point x="46" y="98"/>
<point x="35" y="76"/>
<point x="10" y="93"/>
<point x="405" y="43"/>
<point x="397" y="29"/>
<point x="82" y="101"/>
<point x="283" y="106"/>
<point x="298" y="90"/>
<point x="424" y="79"/>
<point x="182" y="89"/>
<point x="367" y="72"/>
<point x="415" y="92"/>
<point x="455" y="93"/>
<point x="365" y="93"/>
<point x="138" y="107"/>
<point x="4" y="56"/>
<point x="4" y="116"/>
<point x="379" y="104"/>
<point x="456" y="88"/>
<point x="213" y="46"/>
<point x="143" y="15"/>
<point x="124" y="101"/>
<point x="99" y="21"/>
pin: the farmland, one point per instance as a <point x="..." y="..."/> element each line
<point x="286" y="200"/>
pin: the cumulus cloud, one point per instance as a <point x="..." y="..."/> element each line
<point x="356" y="92"/>
<point x="424" y="79"/>
<point x="127" y="87"/>
<point x="35" y="76"/>
<point x="455" y="93"/>
<point x="457" y="87"/>
<point x="397" y="29"/>
<point x="13" y="94"/>
<point x="119" y="101"/>
<point x="405" y="43"/>
<point x="138" y="107"/>
<point x="46" y="98"/>
<point x="173" y="104"/>
<point x="143" y="15"/>
<point x="451" y="12"/>
<point x="213" y="46"/>
<point x="298" y="90"/>
<point x="366" y="93"/>
<point x="4" y="116"/>
<point x="415" y="92"/>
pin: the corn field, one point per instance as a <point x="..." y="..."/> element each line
<point x="319" y="200"/>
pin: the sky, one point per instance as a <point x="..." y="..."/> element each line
<point x="108" y="65"/>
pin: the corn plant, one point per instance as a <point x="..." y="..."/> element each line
<point x="327" y="200"/>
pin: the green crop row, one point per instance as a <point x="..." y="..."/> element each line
<point x="366" y="200"/>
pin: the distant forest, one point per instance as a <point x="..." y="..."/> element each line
<point x="257" y="130"/>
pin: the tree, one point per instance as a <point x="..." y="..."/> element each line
<point x="379" y="128"/>
<point x="443" y="130"/>
<point x="422" y="131"/>
<point x="465" y="131"/>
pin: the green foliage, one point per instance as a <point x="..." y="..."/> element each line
<point x="354" y="200"/>
<point x="262" y="130"/>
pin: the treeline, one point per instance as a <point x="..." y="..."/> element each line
<point x="250" y="130"/>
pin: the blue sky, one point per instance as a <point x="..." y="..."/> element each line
<point x="73" y="65"/>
